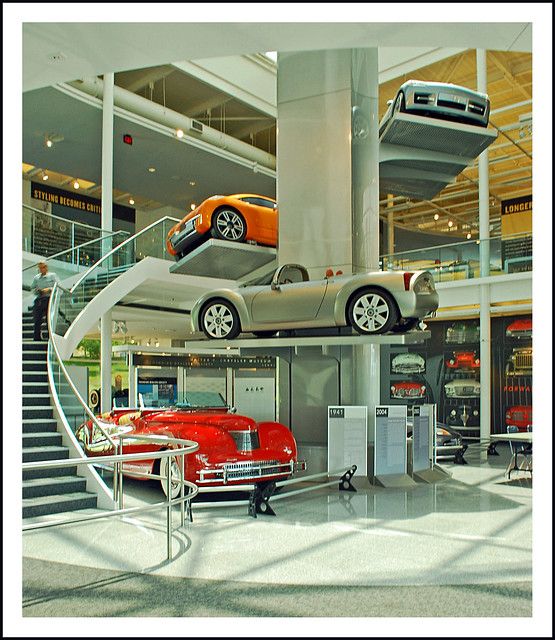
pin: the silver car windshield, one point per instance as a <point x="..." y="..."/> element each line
<point x="259" y="282"/>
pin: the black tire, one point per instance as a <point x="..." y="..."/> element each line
<point x="264" y="334"/>
<point x="405" y="325"/>
<point x="372" y="311"/>
<point x="229" y="224"/>
<point x="219" y="320"/>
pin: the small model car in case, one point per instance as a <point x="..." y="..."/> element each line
<point x="521" y="328"/>
<point x="519" y="362"/>
<point x="462" y="332"/>
<point x="462" y="389"/>
<point x="519" y="416"/>
<point x="463" y="360"/>
<point x="408" y="389"/>
<point x="408" y="363"/>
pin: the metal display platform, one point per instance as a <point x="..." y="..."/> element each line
<point x="419" y="156"/>
<point x="224" y="259"/>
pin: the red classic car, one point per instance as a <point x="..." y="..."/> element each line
<point x="233" y="449"/>
<point x="408" y="389"/>
<point x="463" y="360"/>
<point x="521" y="328"/>
<point x="519" y="416"/>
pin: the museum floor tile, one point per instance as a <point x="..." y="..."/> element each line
<point x="472" y="528"/>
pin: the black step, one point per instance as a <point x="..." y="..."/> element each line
<point x="39" y="426"/>
<point x="35" y="346"/>
<point x="36" y="377"/>
<point x="36" y="400"/>
<point x="28" y="474"/>
<point x="37" y="356"/>
<point x="42" y="439"/>
<point x="38" y="412"/>
<point x="42" y="454"/>
<point x="37" y="487"/>
<point x="31" y="388"/>
<point x="29" y="367"/>
<point x="46" y="505"/>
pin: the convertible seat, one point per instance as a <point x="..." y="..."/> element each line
<point x="128" y="418"/>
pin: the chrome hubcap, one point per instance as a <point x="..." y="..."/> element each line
<point x="230" y="225"/>
<point x="370" y="312"/>
<point x="218" y="321"/>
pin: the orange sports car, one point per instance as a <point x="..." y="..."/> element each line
<point x="241" y="217"/>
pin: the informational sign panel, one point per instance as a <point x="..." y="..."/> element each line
<point x="421" y="432"/>
<point x="347" y="438"/>
<point x="390" y="440"/>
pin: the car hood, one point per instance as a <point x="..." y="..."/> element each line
<point x="224" y="421"/>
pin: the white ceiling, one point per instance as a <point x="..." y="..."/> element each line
<point x="58" y="52"/>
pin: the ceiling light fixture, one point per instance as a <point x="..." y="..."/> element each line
<point x="192" y="183"/>
<point x="131" y="201"/>
<point x="45" y="177"/>
<point x="450" y="223"/>
<point x="468" y="236"/>
<point x="436" y="216"/>
<point x="49" y="143"/>
<point x="152" y="169"/>
<point x="179" y="133"/>
<point x="76" y="185"/>
<point x="193" y="206"/>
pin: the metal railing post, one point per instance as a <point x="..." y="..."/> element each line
<point x="169" y="507"/>
<point x="182" y="478"/>
<point x="120" y="476"/>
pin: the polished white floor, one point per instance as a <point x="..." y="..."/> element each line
<point x="475" y="527"/>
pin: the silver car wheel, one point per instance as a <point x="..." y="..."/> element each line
<point x="372" y="311"/>
<point x="219" y="320"/>
<point x="229" y="225"/>
<point x="175" y="475"/>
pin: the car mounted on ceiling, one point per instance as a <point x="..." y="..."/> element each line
<point x="233" y="449"/>
<point x="372" y="303"/>
<point x="242" y="217"/>
<point x="439" y="100"/>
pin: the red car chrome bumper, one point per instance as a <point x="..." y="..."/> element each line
<point x="254" y="471"/>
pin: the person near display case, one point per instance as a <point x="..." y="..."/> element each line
<point x="42" y="286"/>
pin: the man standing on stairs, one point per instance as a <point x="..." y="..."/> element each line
<point x="42" y="286"/>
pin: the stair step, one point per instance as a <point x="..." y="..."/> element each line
<point x="37" y="487"/>
<point x="36" y="400"/>
<point x="42" y="439"/>
<point x="35" y="356"/>
<point x="29" y="367"/>
<point x="38" y="412"/>
<point x="35" y="377"/>
<point x="35" y="346"/>
<point x="42" y="454"/>
<point x="39" y="426"/>
<point x="46" y="505"/>
<point x="29" y="474"/>
<point x="32" y="388"/>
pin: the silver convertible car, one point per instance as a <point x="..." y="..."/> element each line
<point x="439" y="100"/>
<point x="372" y="303"/>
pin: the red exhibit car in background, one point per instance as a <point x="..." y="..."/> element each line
<point x="519" y="416"/>
<point x="233" y="449"/>
<point x="521" y="328"/>
<point x="408" y="389"/>
<point x="463" y="360"/>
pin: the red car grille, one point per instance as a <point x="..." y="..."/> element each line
<point x="252" y="470"/>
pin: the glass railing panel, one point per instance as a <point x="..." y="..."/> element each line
<point x="461" y="260"/>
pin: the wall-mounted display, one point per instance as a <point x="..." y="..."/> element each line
<point x="519" y="362"/>
<point x="408" y="389"/>
<point x="374" y="302"/>
<point x="463" y="360"/>
<point x="242" y="217"/>
<point x="521" y="328"/>
<point x="463" y="389"/>
<point x="520" y="417"/>
<point x="463" y="332"/>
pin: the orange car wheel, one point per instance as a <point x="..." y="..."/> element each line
<point x="228" y="224"/>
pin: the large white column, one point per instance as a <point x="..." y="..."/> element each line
<point x="106" y="224"/>
<point x="485" y="319"/>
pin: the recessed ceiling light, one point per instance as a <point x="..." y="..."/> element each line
<point x="468" y="236"/>
<point x="76" y="185"/>
<point x="131" y="201"/>
<point x="192" y="183"/>
<point x="45" y="176"/>
<point x="450" y="223"/>
<point x="49" y="143"/>
<point x="179" y="133"/>
<point x="152" y="169"/>
<point x="436" y="216"/>
<point x="193" y="206"/>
